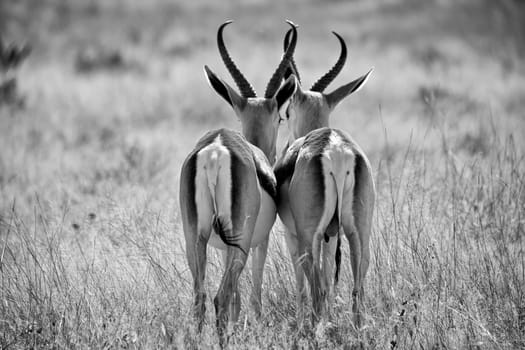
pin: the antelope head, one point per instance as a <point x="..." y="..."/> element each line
<point x="310" y="109"/>
<point x="259" y="116"/>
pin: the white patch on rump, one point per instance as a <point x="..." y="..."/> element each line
<point x="338" y="165"/>
<point x="213" y="188"/>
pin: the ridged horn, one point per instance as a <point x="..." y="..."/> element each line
<point x="292" y="69"/>
<point x="243" y="84"/>
<point x="275" y="81"/>
<point x="326" y="79"/>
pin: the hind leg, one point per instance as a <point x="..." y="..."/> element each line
<point x="258" y="259"/>
<point x="234" y="307"/>
<point x="327" y="269"/>
<point x="227" y="300"/>
<point x="310" y="261"/>
<point x="196" y="254"/>
<point x="365" y="261"/>
<point x="355" y="258"/>
<point x="363" y="212"/>
<point x="312" y="211"/>
<point x="293" y="247"/>
<point x="309" y="246"/>
<point x="197" y="230"/>
<point x="364" y="228"/>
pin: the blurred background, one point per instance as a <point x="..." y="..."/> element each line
<point x="101" y="101"/>
<point x="112" y="93"/>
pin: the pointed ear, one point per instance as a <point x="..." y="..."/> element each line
<point x="286" y="91"/>
<point x="225" y="90"/>
<point x="340" y="93"/>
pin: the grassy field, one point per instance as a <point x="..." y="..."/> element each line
<point x="91" y="244"/>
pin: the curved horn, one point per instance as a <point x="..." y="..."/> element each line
<point x="275" y="81"/>
<point x="326" y="79"/>
<point x="293" y="67"/>
<point x="242" y="83"/>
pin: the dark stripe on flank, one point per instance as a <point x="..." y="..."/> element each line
<point x="237" y="177"/>
<point x="317" y="141"/>
<point x="359" y="172"/>
<point x="318" y="179"/>
<point x="285" y="167"/>
<point x="189" y="174"/>
<point x="188" y="178"/>
<point x="241" y="159"/>
<point x="267" y="182"/>
<point x="265" y="175"/>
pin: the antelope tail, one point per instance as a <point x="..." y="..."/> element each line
<point x="338" y="207"/>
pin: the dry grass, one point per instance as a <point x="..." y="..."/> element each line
<point x="90" y="239"/>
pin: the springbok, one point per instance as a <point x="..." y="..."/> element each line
<point x="227" y="184"/>
<point x="325" y="187"/>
